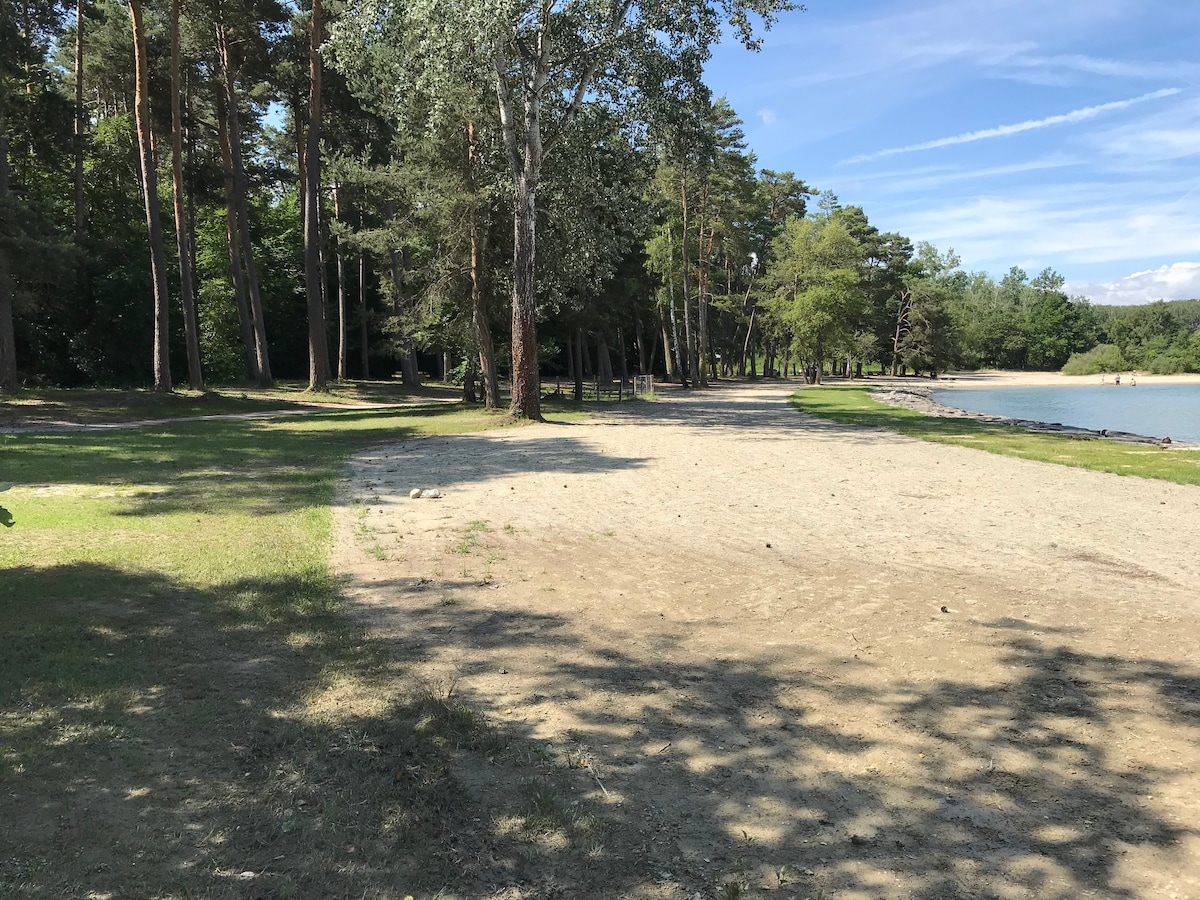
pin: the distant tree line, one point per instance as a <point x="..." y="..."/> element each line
<point x="238" y="190"/>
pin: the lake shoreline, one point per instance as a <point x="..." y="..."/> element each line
<point x="995" y="378"/>
<point x="918" y="398"/>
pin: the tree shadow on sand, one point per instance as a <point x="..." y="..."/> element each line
<point x="253" y="742"/>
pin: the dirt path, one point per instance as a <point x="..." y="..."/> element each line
<point x="802" y="657"/>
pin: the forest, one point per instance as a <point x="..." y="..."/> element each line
<point x="234" y="191"/>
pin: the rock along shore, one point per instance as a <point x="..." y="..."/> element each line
<point x="920" y="399"/>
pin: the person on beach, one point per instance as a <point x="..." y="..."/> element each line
<point x="1117" y="380"/>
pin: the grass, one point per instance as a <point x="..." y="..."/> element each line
<point x="36" y="406"/>
<point x="853" y="405"/>
<point x="184" y="702"/>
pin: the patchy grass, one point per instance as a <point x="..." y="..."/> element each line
<point x="852" y="405"/>
<point x="185" y="708"/>
<point x="51" y="406"/>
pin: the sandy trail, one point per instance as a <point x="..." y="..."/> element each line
<point x="899" y="669"/>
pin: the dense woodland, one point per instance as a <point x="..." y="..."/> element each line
<point x="242" y="190"/>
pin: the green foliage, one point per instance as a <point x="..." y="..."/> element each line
<point x="1101" y="358"/>
<point x="1160" y="337"/>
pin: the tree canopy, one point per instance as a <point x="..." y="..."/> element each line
<point x="491" y="192"/>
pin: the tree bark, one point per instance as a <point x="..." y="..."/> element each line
<point x="693" y="361"/>
<point x="674" y="341"/>
<point x="343" y="342"/>
<point x="158" y="253"/>
<point x="233" y="236"/>
<point x="526" y="388"/>
<point x="8" y="343"/>
<point x="364" y="347"/>
<point x="469" y="380"/>
<point x="80" y="122"/>
<point x="318" y="343"/>
<point x="183" y="224"/>
<point x="578" y="351"/>
<point x="261" y="354"/>
<point x="479" y="318"/>
<point x="399" y="261"/>
<point x="479" y="298"/>
<point x="668" y="357"/>
<point x="624" y="366"/>
<point x="702" y="292"/>
<point x="526" y="395"/>
<point x="408" y="362"/>
<point x="604" y="370"/>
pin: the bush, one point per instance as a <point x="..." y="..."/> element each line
<point x="1101" y="358"/>
<point x="1171" y="362"/>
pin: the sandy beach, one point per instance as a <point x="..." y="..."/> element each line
<point x="876" y="666"/>
<point x="993" y="378"/>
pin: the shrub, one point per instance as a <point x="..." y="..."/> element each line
<point x="1101" y="358"/>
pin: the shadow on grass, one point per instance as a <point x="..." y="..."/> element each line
<point x="93" y="405"/>
<point x="250" y="742"/>
<point x="256" y="467"/>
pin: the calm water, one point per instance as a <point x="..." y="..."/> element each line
<point x="1155" y="410"/>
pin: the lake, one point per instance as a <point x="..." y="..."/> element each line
<point x="1154" y="410"/>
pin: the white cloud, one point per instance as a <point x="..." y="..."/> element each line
<point x="1115" y="68"/>
<point x="1090" y="224"/>
<point x="1177" y="281"/>
<point x="768" y="116"/>
<point x="925" y="178"/>
<point x="1169" y="133"/>
<point x="1078" y="115"/>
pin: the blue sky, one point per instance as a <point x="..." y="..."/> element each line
<point x="1060" y="133"/>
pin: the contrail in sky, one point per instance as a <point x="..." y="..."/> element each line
<point x="1078" y="115"/>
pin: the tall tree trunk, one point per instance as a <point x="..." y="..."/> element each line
<point x="603" y="360"/>
<point x="343" y="345"/>
<point x="8" y="343"/>
<point x="183" y="225"/>
<point x="399" y="261"/>
<point x="240" y="192"/>
<point x="526" y="388"/>
<point x="746" y="347"/>
<point x="702" y="292"/>
<point x="623" y="368"/>
<point x="408" y="370"/>
<point x="233" y="235"/>
<point x="639" y="340"/>
<point x="479" y="317"/>
<point x="363" y="333"/>
<point x="668" y="357"/>
<point x="526" y="171"/>
<point x="693" y="362"/>
<point x="479" y="305"/>
<point x="158" y="253"/>
<point x="674" y="341"/>
<point x="579" y="354"/>
<point x="318" y="343"/>
<point x="469" y="380"/>
<point x="80" y="121"/>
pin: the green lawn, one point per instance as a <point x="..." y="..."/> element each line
<point x="40" y="406"/>
<point x="853" y="405"/>
<point x="172" y="636"/>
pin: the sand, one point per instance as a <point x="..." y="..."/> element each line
<point x="875" y="666"/>
<point x="992" y="378"/>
